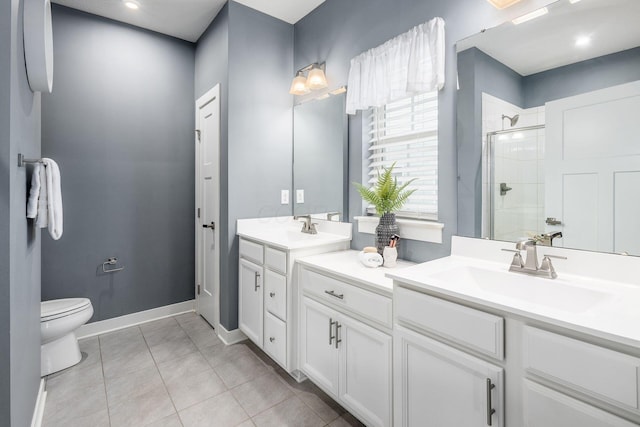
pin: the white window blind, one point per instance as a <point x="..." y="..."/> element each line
<point x="406" y="132"/>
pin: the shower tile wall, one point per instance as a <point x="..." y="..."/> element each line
<point x="519" y="162"/>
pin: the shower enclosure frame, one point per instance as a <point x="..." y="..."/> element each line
<point x="488" y="152"/>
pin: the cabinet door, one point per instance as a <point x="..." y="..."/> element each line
<point x="250" y="304"/>
<point x="438" y="386"/>
<point x="318" y="352"/>
<point x="365" y="371"/>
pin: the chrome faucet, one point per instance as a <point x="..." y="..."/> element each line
<point x="307" y="226"/>
<point x="530" y="264"/>
<point x="332" y="214"/>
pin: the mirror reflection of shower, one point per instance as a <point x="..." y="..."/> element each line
<point x="513" y="170"/>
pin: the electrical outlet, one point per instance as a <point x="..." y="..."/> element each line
<point x="299" y="196"/>
<point x="284" y="197"/>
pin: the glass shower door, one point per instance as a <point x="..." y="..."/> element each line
<point x="516" y="183"/>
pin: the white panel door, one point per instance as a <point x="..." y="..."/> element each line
<point x="318" y="348"/>
<point x="438" y="386"/>
<point x="592" y="136"/>
<point x="250" y="316"/>
<point x="208" y="205"/>
<point x="365" y="371"/>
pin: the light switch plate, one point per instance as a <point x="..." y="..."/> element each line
<point x="284" y="197"/>
<point x="299" y="196"/>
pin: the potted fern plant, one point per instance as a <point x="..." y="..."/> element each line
<point x="387" y="197"/>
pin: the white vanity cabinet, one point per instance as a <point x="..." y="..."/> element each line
<point x="436" y="384"/>
<point x="345" y="335"/>
<point x="267" y="293"/>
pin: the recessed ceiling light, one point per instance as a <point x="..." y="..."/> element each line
<point x="501" y="4"/>
<point x="573" y="1"/>
<point x="532" y="15"/>
<point x="583" y="41"/>
<point x="132" y="5"/>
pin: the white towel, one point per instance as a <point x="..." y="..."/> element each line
<point x="54" y="198"/>
<point x="34" y="192"/>
<point x="42" y="219"/>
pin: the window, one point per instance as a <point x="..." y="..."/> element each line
<point x="406" y="132"/>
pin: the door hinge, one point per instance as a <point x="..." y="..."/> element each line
<point x="198" y="134"/>
<point x="198" y="212"/>
<point x="198" y="289"/>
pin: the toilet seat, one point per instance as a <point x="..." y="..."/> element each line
<point x="55" y="309"/>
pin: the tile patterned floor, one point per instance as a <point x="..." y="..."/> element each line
<point x="176" y="372"/>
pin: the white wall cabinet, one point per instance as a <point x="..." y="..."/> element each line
<point x="346" y="357"/>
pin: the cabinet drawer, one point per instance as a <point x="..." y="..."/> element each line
<point x="375" y="307"/>
<point x="275" y="338"/>
<point x="252" y="251"/>
<point x="599" y="372"/>
<point x="276" y="260"/>
<point x="477" y="330"/>
<point x="544" y="407"/>
<point x="275" y="298"/>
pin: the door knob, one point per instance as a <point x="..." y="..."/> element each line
<point x="211" y="226"/>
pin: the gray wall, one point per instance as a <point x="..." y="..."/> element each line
<point x="598" y="73"/>
<point x="120" y="125"/>
<point x="260" y="130"/>
<point x="477" y="73"/>
<point x="251" y="55"/>
<point x="19" y="241"/>
<point x="338" y="30"/>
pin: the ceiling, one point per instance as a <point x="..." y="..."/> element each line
<point x="549" y="41"/>
<point x="186" y="19"/>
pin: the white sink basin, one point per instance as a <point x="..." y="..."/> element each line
<point x="556" y="294"/>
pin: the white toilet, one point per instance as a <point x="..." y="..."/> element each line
<point x="59" y="320"/>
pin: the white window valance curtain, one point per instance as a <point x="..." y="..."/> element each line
<point x="407" y="65"/>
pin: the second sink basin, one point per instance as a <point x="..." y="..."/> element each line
<point x="556" y="294"/>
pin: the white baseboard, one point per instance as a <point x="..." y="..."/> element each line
<point x="38" y="410"/>
<point x="116" y="323"/>
<point x="230" y="337"/>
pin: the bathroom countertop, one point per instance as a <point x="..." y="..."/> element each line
<point x="347" y="266"/>
<point x="284" y="232"/>
<point x="597" y="307"/>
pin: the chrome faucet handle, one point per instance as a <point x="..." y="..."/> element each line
<point x="517" y="261"/>
<point x="313" y="229"/>
<point x="547" y="266"/>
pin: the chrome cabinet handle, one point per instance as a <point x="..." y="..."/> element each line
<point x="333" y="294"/>
<point x="490" y="410"/>
<point x="257" y="285"/>
<point x="272" y="339"/>
<point x="338" y="340"/>
<point x="331" y="323"/>
<point x="272" y="294"/>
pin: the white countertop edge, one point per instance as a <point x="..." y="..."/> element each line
<point x="351" y="255"/>
<point x="437" y="290"/>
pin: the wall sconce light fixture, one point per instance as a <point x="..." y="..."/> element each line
<point x="314" y="80"/>
<point x="501" y="4"/>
